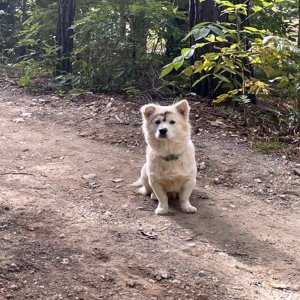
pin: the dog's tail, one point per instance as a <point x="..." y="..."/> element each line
<point x="138" y="182"/>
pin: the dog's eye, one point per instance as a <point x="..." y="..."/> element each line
<point x="172" y="122"/>
<point x="157" y="122"/>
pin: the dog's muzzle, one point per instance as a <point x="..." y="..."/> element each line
<point x="163" y="133"/>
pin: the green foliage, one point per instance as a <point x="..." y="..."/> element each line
<point x="281" y="65"/>
<point x="230" y="62"/>
<point x="282" y="17"/>
<point x="245" y="59"/>
<point x="116" y="43"/>
<point x="37" y="43"/>
<point x="120" y="43"/>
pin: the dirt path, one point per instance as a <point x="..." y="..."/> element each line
<point x="69" y="230"/>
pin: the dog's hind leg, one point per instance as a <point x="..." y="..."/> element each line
<point x="146" y="188"/>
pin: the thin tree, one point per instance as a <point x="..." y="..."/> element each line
<point x="64" y="36"/>
<point x="298" y="23"/>
<point x="203" y="11"/>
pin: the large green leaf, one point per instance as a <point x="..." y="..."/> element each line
<point x="200" y="79"/>
<point x="166" y="70"/>
<point x="187" y="52"/>
<point x="201" y="33"/>
<point x="216" y="30"/>
<point x="178" y="64"/>
<point x="221" y="77"/>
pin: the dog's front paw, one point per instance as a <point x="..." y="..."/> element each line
<point x="161" y="211"/>
<point x="188" y="208"/>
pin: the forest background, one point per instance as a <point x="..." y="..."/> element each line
<point x="239" y="53"/>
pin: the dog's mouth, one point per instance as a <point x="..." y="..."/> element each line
<point x="160" y="136"/>
<point x="163" y="136"/>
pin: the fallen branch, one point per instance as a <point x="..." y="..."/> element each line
<point x="16" y="173"/>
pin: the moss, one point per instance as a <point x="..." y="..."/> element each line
<point x="269" y="146"/>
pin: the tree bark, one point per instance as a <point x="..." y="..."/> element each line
<point x="174" y="39"/>
<point x="298" y="23"/>
<point x="205" y="11"/>
<point x="64" y="36"/>
<point x="24" y="11"/>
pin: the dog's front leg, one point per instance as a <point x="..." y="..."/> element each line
<point x="184" y="197"/>
<point x="161" y="195"/>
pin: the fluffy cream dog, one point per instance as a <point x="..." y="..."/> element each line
<point x="170" y="159"/>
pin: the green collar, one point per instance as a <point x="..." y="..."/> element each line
<point x="170" y="157"/>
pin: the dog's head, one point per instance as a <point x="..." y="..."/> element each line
<point x="166" y="123"/>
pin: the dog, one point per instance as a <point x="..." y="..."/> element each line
<point x="170" y="156"/>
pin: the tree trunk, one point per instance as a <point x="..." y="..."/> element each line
<point x="204" y="11"/>
<point x="174" y="38"/>
<point x="207" y="11"/>
<point x="298" y="23"/>
<point x="24" y="11"/>
<point x="64" y="36"/>
<point x="137" y="38"/>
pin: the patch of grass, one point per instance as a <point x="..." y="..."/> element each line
<point x="270" y="146"/>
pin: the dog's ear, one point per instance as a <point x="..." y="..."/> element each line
<point x="148" y="110"/>
<point x="183" y="108"/>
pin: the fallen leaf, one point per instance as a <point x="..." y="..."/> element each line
<point x="89" y="176"/>
<point x="19" y="120"/>
<point x="148" y="234"/>
<point x="26" y="115"/>
<point x="279" y="286"/>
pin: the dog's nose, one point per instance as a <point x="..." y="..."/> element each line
<point x="163" y="131"/>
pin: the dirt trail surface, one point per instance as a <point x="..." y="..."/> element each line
<point x="71" y="228"/>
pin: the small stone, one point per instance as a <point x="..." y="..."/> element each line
<point x="62" y="236"/>
<point x="43" y="100"/>
<point x="26" y="115"/>
<point x="297" y="171"/>
<point x="108" y="213"/>
<point x="257" y="180"/>
<point x="83" y="134"/>
<point x="203" y="195"/>
<point x="19" y="120"/>
<point x="117" y="180"/>
<point x="192" y="244"/>
<point x="176" y="281"/>
<point x="131" y="284"/>
<point x="202" y="165"/>
<point x="14" y="287"/>
<point x="65" y="261"/>
<point x="164" y="275"/>
<point x="202" y="273"/>
<point x="89" y="176"/>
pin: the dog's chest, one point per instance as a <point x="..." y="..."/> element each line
<point x="172" y="174"/>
